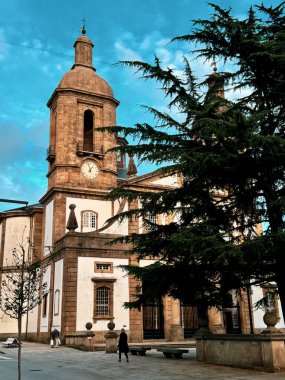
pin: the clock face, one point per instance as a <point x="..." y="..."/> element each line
<point x="89" y="169"/>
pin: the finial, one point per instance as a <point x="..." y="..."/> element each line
<point x="83" y="29"/>
<point x="214" y="63"/>
<point x="72" y="222"/>
<point x="132" y="169"/>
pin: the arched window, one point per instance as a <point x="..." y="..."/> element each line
<point x="44" y="305"/>
<point x="56" y="302"/>
<point x="88" y="131"/>
<point x="102" y="301"/>
<point x="89" y="220"/>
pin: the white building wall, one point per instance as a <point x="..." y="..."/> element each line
<point x="258" y="314"/>
<point x="8" y="324"/>
<point x="102" y="208"/>
<point x="48" y="227"/>
<point x="167" y="181"/>
<point x="85" y="293"/>
<point x="17" y="232"/>
<point x="44" y="320"/>
<point x="58" y="278"/>
<point x="33" y="320"/>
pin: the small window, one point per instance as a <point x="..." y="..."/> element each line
<point x="149" y="218"/>
<point x="103" y="267"/>
<point x="89" y="220"/>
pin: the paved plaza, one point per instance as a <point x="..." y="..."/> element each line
<point x="40" y="362"/>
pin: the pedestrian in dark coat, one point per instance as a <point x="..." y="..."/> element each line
<point x="123" y="345"/>
<point x="54" y="338"/>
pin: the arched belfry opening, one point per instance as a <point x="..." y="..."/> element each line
<point x="88" y="131"/>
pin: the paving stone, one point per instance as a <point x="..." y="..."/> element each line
<point x="42" y="362"/>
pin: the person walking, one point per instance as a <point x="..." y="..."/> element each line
<point x="55" y="341"/>
<point x="123" y="345"/>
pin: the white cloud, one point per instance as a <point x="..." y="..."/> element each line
<point x="125" y="53"/>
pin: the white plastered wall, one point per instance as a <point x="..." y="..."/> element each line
<point x="8" y="324"/>
<point x="48" y="227"/>
<point x="44" y="320"/>
<point x="167" y="181"/>
<point x="258" y="314"/>
<point x="102" y="208"/>
<point x="58" y="276"/>
<point x="17" y="232"/>
<point x="85" y="293"/>
<point x="33" y="320"/>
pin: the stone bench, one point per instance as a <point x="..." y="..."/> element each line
<point x="170" y="352"/>
<point x="139" y="350"/>
<point x="10" y="342"/>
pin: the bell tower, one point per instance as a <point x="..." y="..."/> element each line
<point x="79" y="162"/>
<point x="81" y="103"/>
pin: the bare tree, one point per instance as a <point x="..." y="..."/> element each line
<point x="22" y="287"/>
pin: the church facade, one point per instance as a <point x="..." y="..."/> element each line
<point x="69" y="232"/>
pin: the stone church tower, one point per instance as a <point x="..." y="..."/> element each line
<point x="78" y="159"/>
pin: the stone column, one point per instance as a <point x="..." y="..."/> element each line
<point x="176" y="330"/>
<point x="111" y="339"/>
<point x="90" y="335"/>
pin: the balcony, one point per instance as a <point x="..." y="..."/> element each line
<point x="51" y="153"/>
<point x="82" y="151"/>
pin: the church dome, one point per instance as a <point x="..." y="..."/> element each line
<point x="82" y="76"/>
<point x="85" y="79"/>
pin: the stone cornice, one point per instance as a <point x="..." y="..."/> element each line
<point x="70" y="190"/>
<point x="75" y="91"/>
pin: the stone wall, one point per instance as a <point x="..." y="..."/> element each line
<point x="259" y="352"/>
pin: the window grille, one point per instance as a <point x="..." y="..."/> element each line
<point x="102" y="301"/>
<point x="103" y="266"/>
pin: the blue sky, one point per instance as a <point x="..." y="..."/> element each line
<point x="120" y="30"/>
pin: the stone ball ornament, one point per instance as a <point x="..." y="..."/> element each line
<point x="111" y="325"/>
<point x="88" y="326"/>
<point x="270" y="318"/>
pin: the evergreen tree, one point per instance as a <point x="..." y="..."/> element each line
<point x="230" y="155"/>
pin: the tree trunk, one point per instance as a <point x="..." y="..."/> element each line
<point x="20" y="347"/>
<point x="203" y="320"/>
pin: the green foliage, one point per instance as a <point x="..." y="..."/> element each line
<point x="231" y="156"/>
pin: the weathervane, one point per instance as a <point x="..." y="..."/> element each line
<point x="83" y="29"/>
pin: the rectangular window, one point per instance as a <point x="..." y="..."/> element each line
<point x="44" y="305"/>
<point x="149" y="218"/>
<point x="102" y="301"/>
<point x="101" y="267"/>
<point x="103" y="298"/>
<point x="89" y="220"/>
